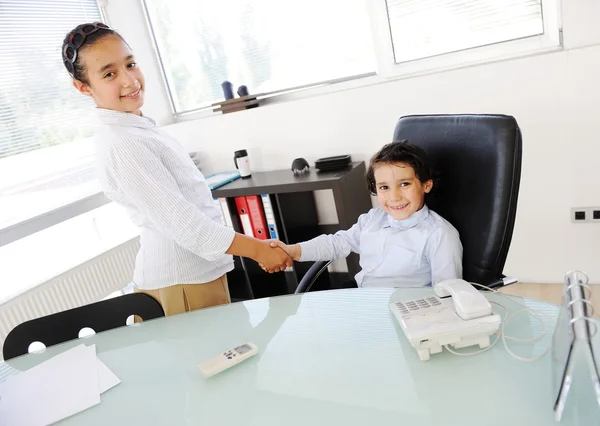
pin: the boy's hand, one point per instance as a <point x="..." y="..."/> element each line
<point x="272" y="259"/>
<point x="293" y="250"/>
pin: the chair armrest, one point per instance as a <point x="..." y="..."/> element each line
<point x="311" y="276"/>
<point x="503" y="281"/>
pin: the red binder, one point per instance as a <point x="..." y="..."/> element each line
<point x="257" y="217"/>
<point x="244" y="213"/>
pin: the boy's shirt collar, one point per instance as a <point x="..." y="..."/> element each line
<point x="410" y="222"/>
<point x="119" y="118"/>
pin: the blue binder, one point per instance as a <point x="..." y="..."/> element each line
<point x="219" y="179"/>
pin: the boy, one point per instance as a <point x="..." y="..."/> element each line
<point x="402" y="243"/>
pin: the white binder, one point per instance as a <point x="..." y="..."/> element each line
<point x="270" y="216"/>
<point x="225" y="211"/>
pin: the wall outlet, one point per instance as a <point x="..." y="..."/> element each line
<point x="581" y="214"/>
<point x="585" y="214"/>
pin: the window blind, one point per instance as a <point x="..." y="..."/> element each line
<point x="46" y="155"/>
<point x="38" y="105"/>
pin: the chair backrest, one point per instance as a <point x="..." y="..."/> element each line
<point x="63" y="326"/>
<point x="478" y="160"/>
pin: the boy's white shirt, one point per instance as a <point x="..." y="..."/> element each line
<point x="417" y="251"/>
<point x="166" y="196"/>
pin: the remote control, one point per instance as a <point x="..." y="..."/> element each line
<point x="228" y="359"/>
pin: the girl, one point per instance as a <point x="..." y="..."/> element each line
<point x="185" y="252"/>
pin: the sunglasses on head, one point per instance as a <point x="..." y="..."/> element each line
<point x="76" y="40"/>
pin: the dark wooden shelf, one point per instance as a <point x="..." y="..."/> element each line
<point x="284" y="181"/>
<point x="296" y="217"/>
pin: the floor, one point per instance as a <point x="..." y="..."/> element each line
<point x="551" y="293"/>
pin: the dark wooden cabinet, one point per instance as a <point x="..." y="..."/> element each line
<point x="296" y="218"/>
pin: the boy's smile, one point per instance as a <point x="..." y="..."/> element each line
<point x="399" y="192"/>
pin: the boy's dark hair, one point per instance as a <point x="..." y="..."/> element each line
<point x="77" y="39"/>
<point x="400" y="152"/>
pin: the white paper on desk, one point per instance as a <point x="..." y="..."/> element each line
<point x="53" y="390"/>
<point x="106" y="378"/>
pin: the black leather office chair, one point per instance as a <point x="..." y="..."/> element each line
<point x="64" y="326"/>
<point x="478" y="160"/>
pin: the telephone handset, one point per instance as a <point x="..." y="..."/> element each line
<point x="464" y="319"/>
<point x="469" y="302"/>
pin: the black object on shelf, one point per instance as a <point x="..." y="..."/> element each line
<point x="330" y="164"/>
<point x="300" y="166"/>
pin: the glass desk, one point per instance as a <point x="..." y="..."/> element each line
<point x="332" y="358"/>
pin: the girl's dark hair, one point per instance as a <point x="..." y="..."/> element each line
<point x="76" y="40"/>
<point x="400" y="152"/>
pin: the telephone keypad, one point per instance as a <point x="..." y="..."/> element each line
<point x="410" y="306"/>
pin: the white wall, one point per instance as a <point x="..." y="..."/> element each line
<point x="554" y="97"/>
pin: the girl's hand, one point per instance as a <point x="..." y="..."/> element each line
<point x="272" y="259"/>
<point x="294" y="251"/>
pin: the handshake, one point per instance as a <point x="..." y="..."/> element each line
<point x="277" y="256"/>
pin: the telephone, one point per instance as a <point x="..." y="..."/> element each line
<point x="457" y="315"/>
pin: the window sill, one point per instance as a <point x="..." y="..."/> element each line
<point x="51" y="218"/>
<point x="38" y="258"/>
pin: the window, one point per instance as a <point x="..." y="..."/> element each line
<point x="424" y="28"/>
<point x="46" y="156"/>
<point x="271" y="45"/>
<point x="267" y="45"/>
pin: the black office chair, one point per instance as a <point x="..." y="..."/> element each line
<point x="478" y="160"/>
<point x="64" y="326"/>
